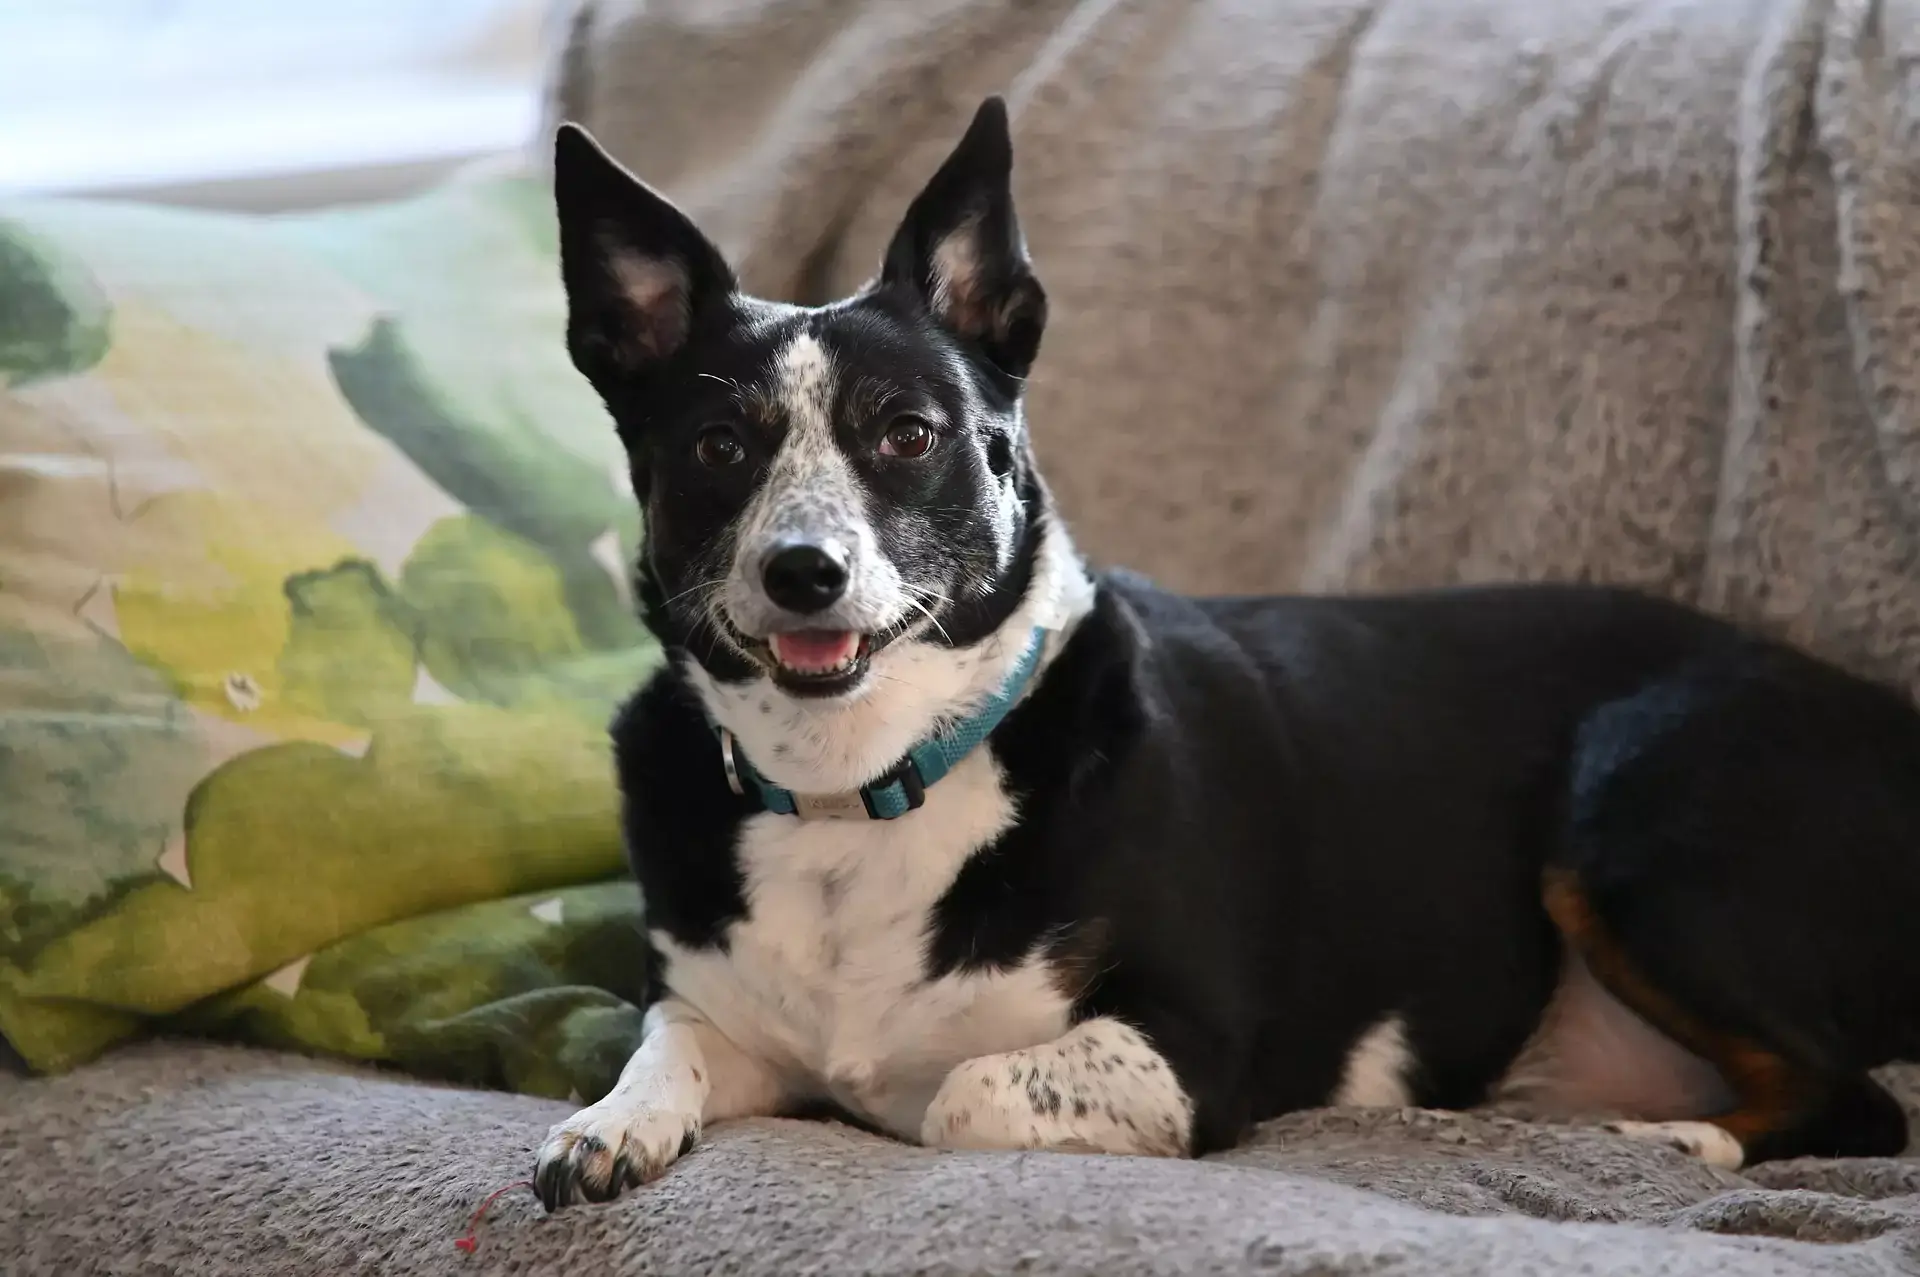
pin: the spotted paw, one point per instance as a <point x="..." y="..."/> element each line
<point x="1100" y="1089"/>
<point x="1703" y="1140"/>
<point x="608" y="1147"/>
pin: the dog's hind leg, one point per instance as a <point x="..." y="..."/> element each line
<point x="1784" y="1106"/>
<point x="1741" y="868"/>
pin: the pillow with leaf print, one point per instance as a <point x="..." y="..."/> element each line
<point x="313" y="608"/>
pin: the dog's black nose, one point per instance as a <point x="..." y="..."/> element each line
<point x="805" y="578"/>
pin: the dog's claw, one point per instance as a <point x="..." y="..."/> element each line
<point x="550" y="1183"/>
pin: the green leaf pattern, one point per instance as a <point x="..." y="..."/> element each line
<point x="267" y="772"/>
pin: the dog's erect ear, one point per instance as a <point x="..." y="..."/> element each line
<point x="639" y="275"/>
<point x="961" y="252"/>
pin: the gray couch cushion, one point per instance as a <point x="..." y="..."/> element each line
<point x="212" y="1161"/>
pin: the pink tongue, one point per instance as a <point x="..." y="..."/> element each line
<point x="815" y="650"/>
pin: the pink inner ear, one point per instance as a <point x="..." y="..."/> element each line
<point x="657" y="288"/>
<point x="956" y="280"/>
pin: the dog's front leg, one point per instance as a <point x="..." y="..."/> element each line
<point x="685" y="1073"/>
<point x="1101" y="1088"/>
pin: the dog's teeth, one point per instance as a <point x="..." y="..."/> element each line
<point x="816" y="653"/>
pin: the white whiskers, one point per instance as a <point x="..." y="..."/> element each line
<point x="914" y="595"/>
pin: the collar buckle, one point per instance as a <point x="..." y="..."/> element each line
<point x="905" y="774"/>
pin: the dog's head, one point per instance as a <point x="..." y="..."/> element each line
<point x="820" y="483"/>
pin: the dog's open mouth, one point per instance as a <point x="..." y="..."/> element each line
<point x="818" y="662"/>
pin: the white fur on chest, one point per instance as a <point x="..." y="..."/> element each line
<point x="824" y="979"/>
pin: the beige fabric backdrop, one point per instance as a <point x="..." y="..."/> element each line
<point x="1372" y="293"/>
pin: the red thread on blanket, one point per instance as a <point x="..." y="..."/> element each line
<point x="471" y="1242"/>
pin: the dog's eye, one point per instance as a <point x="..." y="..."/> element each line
<point x="719" y="446"/>
<point x="906" y="437"/>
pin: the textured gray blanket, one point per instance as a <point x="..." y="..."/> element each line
<point x="218" y="1161"/>
<point x="1348" y="294"/>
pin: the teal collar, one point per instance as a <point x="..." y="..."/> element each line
<point x="904" y="786"/>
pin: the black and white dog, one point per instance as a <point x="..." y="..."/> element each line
<point x="941" y="829"/>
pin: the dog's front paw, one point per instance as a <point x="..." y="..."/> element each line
<point x="982" y="1106"/>
<point x="1099" y="1090"/>
<point x="608" y="1147"/>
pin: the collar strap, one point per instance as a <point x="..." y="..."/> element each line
<point x="903" y="787"/>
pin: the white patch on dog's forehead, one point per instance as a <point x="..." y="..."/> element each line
<point x="810" y="469"/>
<point x="804" y="382"/>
